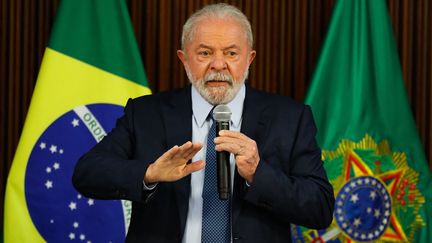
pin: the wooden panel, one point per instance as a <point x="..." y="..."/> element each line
<point x="412" y="24"/>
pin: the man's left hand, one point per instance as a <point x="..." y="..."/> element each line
<point x="245" y="151"/>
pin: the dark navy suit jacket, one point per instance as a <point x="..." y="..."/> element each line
<point x="290" y="184"/>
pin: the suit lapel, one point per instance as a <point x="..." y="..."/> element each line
<point x="177" y="116"/>
<point x="253" y="126"/>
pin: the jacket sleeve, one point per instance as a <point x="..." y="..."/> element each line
<point x="291" y="183"/>
<point x="107" y="170"/>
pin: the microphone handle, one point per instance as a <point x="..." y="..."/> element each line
<point x="223" y="166"/>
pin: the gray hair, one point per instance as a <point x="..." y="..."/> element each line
<point x="220" y="10"/>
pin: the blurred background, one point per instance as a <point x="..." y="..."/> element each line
<point x="288" y="36"/>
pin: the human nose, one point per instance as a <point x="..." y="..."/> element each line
<point x="218" y="63"/>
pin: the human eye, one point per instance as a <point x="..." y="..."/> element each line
<point x="204" y="53"/>
<point x="232" y="53"/>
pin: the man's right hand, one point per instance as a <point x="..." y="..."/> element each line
<point x="173" y="164"/>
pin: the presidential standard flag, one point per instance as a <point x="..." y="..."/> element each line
<point x="371" y="149"/>
<point x="90" y="68"/>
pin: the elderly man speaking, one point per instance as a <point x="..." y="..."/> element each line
<point x="165" y="153"/>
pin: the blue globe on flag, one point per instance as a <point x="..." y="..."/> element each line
<point x="57" y="210"/>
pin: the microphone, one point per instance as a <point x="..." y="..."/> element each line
<point x="222" y="117"/>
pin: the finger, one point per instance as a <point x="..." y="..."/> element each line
<point x="229" y="147"/>
<point x="170" y="153"/>
<point x="192" y="151"/>
<point x="220" y="140"/>
<point x="238" y="138"/>
<point x="233" y="134"/>
<point x="194" y="166"/>
<point x="184" y="149"/>
<point x="235" y="146"/>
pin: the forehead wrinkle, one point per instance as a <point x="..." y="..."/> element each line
<point x="201" y="27"/>
<point x="233" y="46"/>
<point x="204" y="46"/>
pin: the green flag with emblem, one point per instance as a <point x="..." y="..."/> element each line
<point x="371" y="148"/>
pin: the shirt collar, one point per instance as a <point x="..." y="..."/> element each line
<point x="201" y="108"/>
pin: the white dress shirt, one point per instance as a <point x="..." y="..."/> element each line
<point x="200" y="128"/>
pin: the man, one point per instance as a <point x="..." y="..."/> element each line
<point x="156" y="154"/>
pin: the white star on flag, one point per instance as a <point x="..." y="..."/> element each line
<point x="75" y="225"/>
<point x="48" y="170"/>
<point x="354" y="198"/>
<point x="82" y="237"/>
<point x="53" y="149"/>
<point x="61" y="151"/>
<point x="71" y="236"/>
<point x="49" y="184"/>
<point x="72" y="205"/>
<point x="75" y="122"/>
<point x="90" y="202"/>
<point x="56" y="166"/>
<point x="357" y="222"/>
<point x="372" y="195"/>
<point x="42" y="145"/>
<point x="377" y="213"/>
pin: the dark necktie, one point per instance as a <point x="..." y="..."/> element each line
<point x="216" y="223"/>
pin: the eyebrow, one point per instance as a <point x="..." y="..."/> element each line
<point x="234" y="46"/>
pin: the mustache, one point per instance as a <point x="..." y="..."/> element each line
<point x="218" y="76"/>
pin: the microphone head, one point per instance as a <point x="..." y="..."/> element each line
<point x="222" y="113"/>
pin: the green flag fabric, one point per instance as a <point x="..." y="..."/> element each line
<point x="90" y="68"/>
<point x="371" y="148"/>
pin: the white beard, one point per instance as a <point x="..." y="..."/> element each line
<point x="221" y="94"/>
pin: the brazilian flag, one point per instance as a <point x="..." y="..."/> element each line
<point x="90" y="68"/>
<point x="371" y="149"/>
